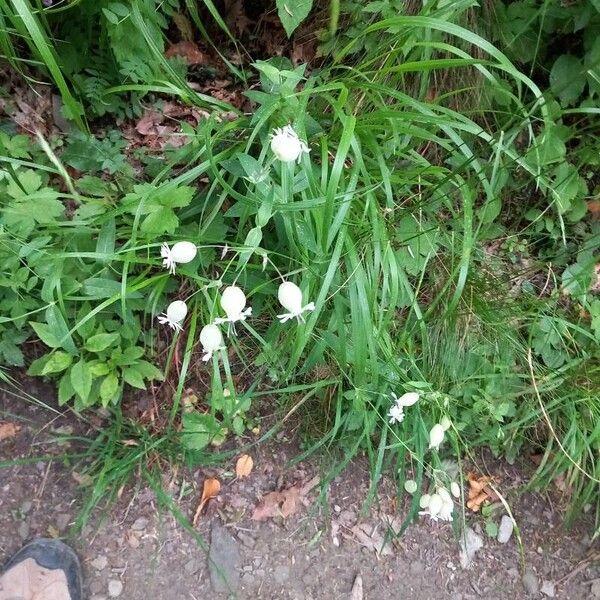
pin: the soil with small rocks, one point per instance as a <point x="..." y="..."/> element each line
<point x="137" y="550"/>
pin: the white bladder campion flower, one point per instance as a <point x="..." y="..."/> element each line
<point x="424" y="501"/>
<point x="410" y="485"/>
<point x="174" y="316"/>
<point x="233" y="302"/>
<point x="434" y="506"/>
<point x="446" y="423"/>
<point x="455" y="489"/>
<point x="181" y="252"/>
<point x="211" y="340"/>
<point x="286" y="145"/>
<point x="290" y="297"/>
<point x="436" y="437"/>
<point x="396" y="412"/>
<point x="445" y="513"/>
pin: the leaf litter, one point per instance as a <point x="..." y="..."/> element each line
<point x="285" y="502"/>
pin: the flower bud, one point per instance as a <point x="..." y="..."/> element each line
<point x="436" y="436"/>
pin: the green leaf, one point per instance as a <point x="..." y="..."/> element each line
<point x="58" y="362"/>
<point x="65" y="389"/>
<point x="46" y="333"/>
<point x="160" y="220"/>
<point x="109" y="388"/>
<point x="81" y="379"/>
<point x="566" y="79"/>
<point x="101" y="341"/>
<point x="134" y="378"/>
<point x="106" y="240"/>
<point x="199" y="430"/>
<point x="292" y="13"/>
<point x="148" y="370"/>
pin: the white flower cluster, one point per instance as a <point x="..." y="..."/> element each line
<point x="439" y="505"/>
<point x="396" y="412"/>
<point x="286" y="145"/>
<point x="233" y="302"/>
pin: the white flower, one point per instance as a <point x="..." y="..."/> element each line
<point x="396" y="414"/>
<point x="424" y="501"/>
<point x="233" y="302"/>
<point x="436" y="436"/>
<point x="446" y="423"/>
<point x="286" y="145"/>
<point x="176" y="312"/>
<point x="181" y="252"/>
<point x="455" y="489"/>
<point x="410" y="485"/>
<point x="211" y="340"/>
<point x="290" y="297"/>
<point x="434" y="507"/>
<point x="407" y="399"/>
<point x="445" y="513"/>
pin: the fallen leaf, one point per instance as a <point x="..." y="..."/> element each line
<point x="8" y="430"/>
<point x="284" y="503"/>
<point x="370" y="537"/>
<point x="480" y="491"/>
<point x="357" y="589"/>
<point x="53" y="532"/>
<point x="189" y="51"/>
<point x="593" y="207"/>
<point x="211" y="489"/>
<point x="243" y="466"/>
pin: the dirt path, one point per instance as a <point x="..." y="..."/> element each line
<point x="139" y="552"/>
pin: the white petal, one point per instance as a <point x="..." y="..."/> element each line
<point x="435" y="504"/>
<point x="424" y="500"/>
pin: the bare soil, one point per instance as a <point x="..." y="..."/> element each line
<point x="138" y="551"/>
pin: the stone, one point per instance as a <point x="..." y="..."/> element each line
<point x="98" y="597"/>
<point x="530" y="582"/>
<point x="247" y="579"/>
<point x="115" y="587"/>
<point x="470" y="544"/>
<point x="224" y="560"/>
<point x="505" y="529"/>
<point x="96" y="586"/>
<point x="247" y="540"/>
<point x="99" y="563"/>
<point x="23" y="530"/>
<point x="281" y="574"/>
<point x="548" y="588"/>
<point x="192" y="566"/>
<point x="139" y="524"/>
<point x="25" y="507"/>
<point x="595" y="589"/>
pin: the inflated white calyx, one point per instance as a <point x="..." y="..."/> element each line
<point x="410" y="485"/>
<point x="286" y="145"/>
<point x="174" y="316"/>
<point x="290" y="297"/>
<point x="181" y="252"/>
<point x="233" y="302"/>
<point x="446" y="423"/>
<point x="211" y="340"/>
<point x="436" y="436"/>
<point x="455" y="489"/>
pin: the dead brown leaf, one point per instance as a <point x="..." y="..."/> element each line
<point x="8" y="430"/>
<point x="211" y="489"/>
<point x="594" y="208"/>
<point x="284" y="503"/>
<point x="480" y="491"/>
<point x="189" y="51"/>
<point x="243" y="466"/>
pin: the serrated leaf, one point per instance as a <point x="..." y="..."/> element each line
<point x="101" y="341"/>
<point x="160" y="220"/>
<point x="292" y="12"/>
<point x="81" y="379"/>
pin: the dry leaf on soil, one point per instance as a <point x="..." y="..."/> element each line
<point x="480" y="491"/>
<point x="243" y="466"/>
<point x="370" y="537"/>
<point x="211" y="489"/>
<point x="357" y="589"/>
<point x="284" y="503"/>
<point x="8" y="430"/>
<point x="189" y="51"/>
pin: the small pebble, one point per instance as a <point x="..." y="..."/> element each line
<point x="281" y="574"/>
<point x="139" y="524"/>
<point x="548" y="588"/>
<point x="247" y="540"/>
<point x="115" y="587"/>
<point x="530" y="582"/>
<point x="25" y="507"/>
<point x="23" y="530"/>
<point x="99" y="563"/>
<point x="96" y="586"/>
<point x="505" y="529"/>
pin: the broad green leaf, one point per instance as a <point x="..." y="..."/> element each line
<point x="106" y="240"/>
<point x="65" y="389"/>
<point x="47" y="334"/>
<point x="109" y="388"/>
<point x="567" y="80"/>
<point x="148" y="370"/>
<point x="161" y="220"/>
<point x="199" y="430"/>
<point x="59" y="327"/>
<point x="134" y="378"/>
<point x="101" y="341"/>
<point x="81" y="379"/>
<point x="292" y="13"/>
<point x="58" y="362"/>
